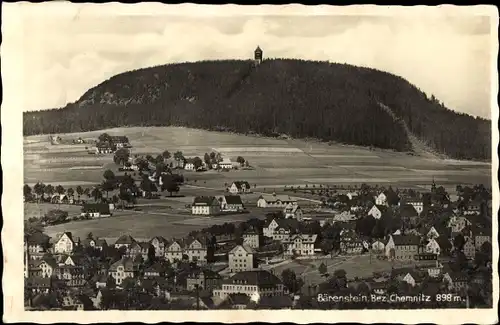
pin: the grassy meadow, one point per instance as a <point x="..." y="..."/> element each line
<point x="277" y="163"/>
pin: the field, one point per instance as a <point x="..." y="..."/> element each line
<point x="143" y="226"/>
<point x="277" y="163"/>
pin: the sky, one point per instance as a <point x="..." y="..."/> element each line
<point x="59" y="54"/>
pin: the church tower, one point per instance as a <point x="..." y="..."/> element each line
<point x="258" y="56"/>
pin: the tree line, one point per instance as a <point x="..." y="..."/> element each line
<point x="302" y="99"/>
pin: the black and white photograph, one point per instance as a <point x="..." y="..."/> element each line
<point x="238" y="158"/>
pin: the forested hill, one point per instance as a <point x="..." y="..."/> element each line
<point x="303" y="99"/>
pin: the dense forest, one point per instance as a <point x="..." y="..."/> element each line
<point x="303" y="99"/>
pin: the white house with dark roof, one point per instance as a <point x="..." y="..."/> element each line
<point x="274" y="201"/>
<point x="65" y="243"/>
<point x="226" y="163"/>
<point x="402" y="247"/>
<point x="377" y="211"/>
<point x="239" y="187"/>
<point x="300" y="244"/>
<point x="293" y="211"/>
<point x="205" y="205"/>
<point x="252" y="283"/>
<point x="122" y="269"/>
<point x="280" y="229"/>
<point x="231" y="203"/>
<point x="159" y="243"/>
<point x="96" y="210"/>
<point x="124" y="240"/>
<point x="241" y="258"/>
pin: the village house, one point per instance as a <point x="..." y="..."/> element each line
<point x="159" y="243"/>
<point x="352" y="195"/>
<point x="432" y="247"/>
<point x="378" y="246"/>
<point x="387" y="198"/>
<point x="189" y="164"/>
<point x="252" y="283"/>
<point x="457" y="224"/>
<point x="225" y="164"/>
<point x="280" y="229"/>
<point x="124" y="241"/>
<point x="196" y="251"/>
<point x="402" y="247"/>
<point x="95" y="210"/>
<point x="231" y="203"/>
<point x="417" y="204"/>
<point x="300" y="245"/>
<point x="241" y="258"/>
<point x="157" y="270"/>
<point x="350" y="243"/>
<point x="104" y="148"/>
<point x="72" y="276"/>
<point x="377" y="211"/>
<point x="456" y="281"/>
<point x="138" y="249"/>
<point x="96" y="243"/>
<point x="344" y="216"/>
<point x="469" y="248"/>
<point x="37" y="243"/>
<point x="240" y="187"/>
<point x="174" y="251"/>
<point x="43" y="268"/>
<point x="432" y="233"/>
<point x="61" y="199"/>
<point x="205" y="279"/>
<point x="251" y="238"/>
<point x="293" y="211"/>
<point x="39" y="285"/>
<point x="274" y="201"/>
<point x="205" y="205"/>
<point x="481" y="236"/>
<point x="65" y="243"/>
<point x="473" y="207"/>
<point x="410" y="276"/>
<point x="122" y="269"/>
<point x="120" y="141"/>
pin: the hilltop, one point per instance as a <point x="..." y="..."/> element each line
<point x="302" y="99"/>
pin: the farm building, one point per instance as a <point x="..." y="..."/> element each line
<point x="239" y="187"/>
<point x="226" y="163"/>
<point x="205" y="205"/>
<point x="96" y="210"/>
<point x="274" y="201"/>
<point x="120" y="141"/>
<point x="231" y="203"/>
<point x="104" y="148"/>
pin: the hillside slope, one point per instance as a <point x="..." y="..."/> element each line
<point x="331" y="102"/>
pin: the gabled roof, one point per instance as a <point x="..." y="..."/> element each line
<point x="127" y="263"/>
<point x="205" y="200"/>
<point x="233" y="199"/>
<point x="125" y="240"/>
<point x="247" y="249"/>
<point x="241" y="184"/>
<point x="408" y="210"/>
<point x="70" y="236"/>
<point x="400" y="240"/>
<point x="160" y="239"/>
